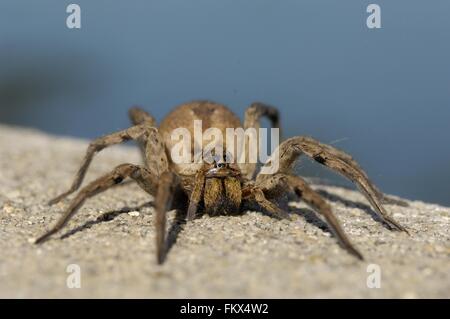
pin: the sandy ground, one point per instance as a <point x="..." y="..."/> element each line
<point x="111" y="239"/>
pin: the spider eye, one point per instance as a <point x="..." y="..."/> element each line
<point x="220" y="165"/>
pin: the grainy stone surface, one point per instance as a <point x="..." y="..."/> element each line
<point x="247" y="256"/>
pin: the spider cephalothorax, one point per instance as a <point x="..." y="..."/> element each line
<point x="217" y="186"/>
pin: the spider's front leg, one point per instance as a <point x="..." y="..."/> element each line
<point x="255" y="193"/>
<point x="288" y="151"/>
<point x="162" y="187"/>
<point x="168" y="182"/>
<point x="139" y="132"/>
<point x="349" y="160"/>
<point x="275" y="185"/>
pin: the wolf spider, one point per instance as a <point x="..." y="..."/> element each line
<point x="218" y="187"/>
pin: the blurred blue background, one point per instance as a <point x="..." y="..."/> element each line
<point x="382" y="95"/>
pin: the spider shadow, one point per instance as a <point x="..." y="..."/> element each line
<point x="175" y="229"/>
<point x="311" y="217"/>
<point x="284" y="203"/>
<point x="172" y="235"/>
<point x="103" y="218"/>
<point x="308" y="215"/>
<point x="349" y="203"/>
<point x="179" y="222"/>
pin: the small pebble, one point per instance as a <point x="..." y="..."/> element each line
<point x="8" y="209"/>
<point x="133" y="214"/>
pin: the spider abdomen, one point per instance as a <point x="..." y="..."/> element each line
<point x="194" y="118"/>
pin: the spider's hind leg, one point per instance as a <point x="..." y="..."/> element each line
<point x="252" y="119"/>
<point x="138" y="116"/>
